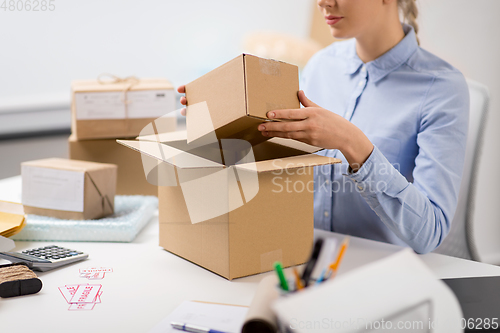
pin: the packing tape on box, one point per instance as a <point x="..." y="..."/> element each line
<point x="270" y="67"/>
<point x="268" y="259"/>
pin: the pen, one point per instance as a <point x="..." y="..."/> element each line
<point x="334" y="266"/>
<point x="193" y="328"/>
<point x="322" y="277"/>
<point x="298" y="281"/>
<point x="306" y="274"/>
<point x="281" y="275"/>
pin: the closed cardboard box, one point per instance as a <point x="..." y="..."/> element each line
<point x="233" y="208"/>
<point x="118" y="109"/>
<point x="234" y="99"/>
<point x="68" y="189"/>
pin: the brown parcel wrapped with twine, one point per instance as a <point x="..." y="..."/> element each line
<point x="17" y="280"/>
<point x="99" y="188"/>
<point x="119" y="107"/>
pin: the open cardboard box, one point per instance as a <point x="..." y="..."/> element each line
<point x="230" y="207"/>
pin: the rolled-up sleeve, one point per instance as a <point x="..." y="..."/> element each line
<point x="420" y="213"/>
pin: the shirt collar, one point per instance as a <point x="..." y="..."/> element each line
<point x="389" y="61"/>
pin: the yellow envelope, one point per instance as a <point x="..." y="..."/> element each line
<point x="12" y="218"/>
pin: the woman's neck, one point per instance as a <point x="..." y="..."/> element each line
<point x="376" y="42"/>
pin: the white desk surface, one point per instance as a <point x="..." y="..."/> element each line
<point x="148" y="282"/>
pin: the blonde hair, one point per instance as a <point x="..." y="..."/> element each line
<point x="409" y="11"/>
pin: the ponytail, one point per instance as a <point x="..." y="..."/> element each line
<point x="409" y="10"/>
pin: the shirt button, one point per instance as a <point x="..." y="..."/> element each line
<point x="326" y="213"/>
<point x="363" y="69"/>
<point x="361" y="83"/>
<point x="327" y="182"/>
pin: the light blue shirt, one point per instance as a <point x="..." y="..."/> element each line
<point x="414" y="108"/>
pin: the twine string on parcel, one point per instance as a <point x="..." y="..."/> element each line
<point x="129" y="82"/>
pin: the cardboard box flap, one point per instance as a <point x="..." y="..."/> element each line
<point x="142" y="84"/>
<point x="295" y="145"/>
<point x="293" y="162"/>
<point x="164" y="137"/>
<point x="170" y="155"/>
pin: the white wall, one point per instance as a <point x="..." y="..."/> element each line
<point x="467" y="34"/>
<point x="41" y="52"/>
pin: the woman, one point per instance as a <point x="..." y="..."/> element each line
<point x="395" y="114"/>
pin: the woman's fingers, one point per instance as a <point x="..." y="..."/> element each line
<point x="298" y="135"/>
<point x="295" y="114"/>
<point x="282" y="126"/>
<point x="182" y="90"/>
<point x="306" y="101"/>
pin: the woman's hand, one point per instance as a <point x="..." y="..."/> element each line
<point x="319" y="127"/>
<point x="182" y="90"/>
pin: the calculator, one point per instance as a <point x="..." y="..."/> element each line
<point x="45" y="258"/>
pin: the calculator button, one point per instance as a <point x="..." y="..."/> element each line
<point x="55" y="257"/>
<point x="73" y="253"/>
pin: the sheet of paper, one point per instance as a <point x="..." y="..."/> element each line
<point x="110" y="105"/>
<point x="52" y="188"/>
<point x="150" y="103"/>
<point x="226" y="318"/>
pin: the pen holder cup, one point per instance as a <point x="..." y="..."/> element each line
<point x="292" y="288"/>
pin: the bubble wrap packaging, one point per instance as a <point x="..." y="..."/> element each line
<point x="132" y="213"/>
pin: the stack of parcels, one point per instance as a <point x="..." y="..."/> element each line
<point x="230" y="200"/>
<point x="103" y="111"/>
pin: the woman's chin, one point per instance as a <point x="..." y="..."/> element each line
<point x="339" y="33"/>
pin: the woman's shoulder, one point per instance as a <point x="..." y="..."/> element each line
<point x="424" y="61"/>
<point x="444" y="76"/>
